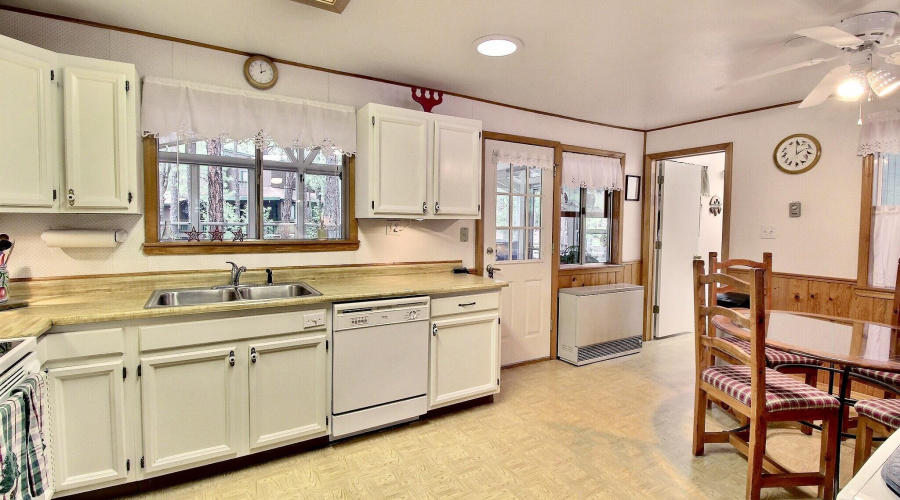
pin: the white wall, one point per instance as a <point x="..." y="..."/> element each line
<point x="824" y="240"/>
<point x="427" y="240"/>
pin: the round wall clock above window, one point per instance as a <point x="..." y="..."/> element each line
<point x="797" y="153"/>
<point x="260" y="72"/>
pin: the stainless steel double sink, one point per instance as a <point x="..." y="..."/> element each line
<point x="225" y="294"/>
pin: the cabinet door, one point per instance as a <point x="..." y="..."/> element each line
<point x="28" y="127"/>
<point x="88" y="424"/>
<point x="191" y="404"/>
<point x="287" y="390"/>
<point x="96" y="131"/>
<point x="465" y="358"/>
<point x="457" y="169"/>
<point x="400" y="164"/>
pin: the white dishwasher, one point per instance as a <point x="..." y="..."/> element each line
<point x="379" y="364"/>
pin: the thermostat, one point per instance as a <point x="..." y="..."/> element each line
<point x="794" y="209"/>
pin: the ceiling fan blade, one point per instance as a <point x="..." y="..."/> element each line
<point x="825" y="87"/>
<point x="831" y="36"/>
<point x="767" y="74"/>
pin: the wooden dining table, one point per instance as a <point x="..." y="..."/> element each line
<point x="841" y="344"/>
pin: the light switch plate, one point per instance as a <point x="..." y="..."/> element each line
<point x="767" y="232"/>
<point x="463" y="234"/>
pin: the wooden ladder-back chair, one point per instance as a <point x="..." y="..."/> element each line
<point x="753" y="390"/>
<point x="782" y="361"/>
<point x="879" y="416"/>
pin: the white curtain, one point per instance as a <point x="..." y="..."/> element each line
<point x="593" y="172"/>
<point x="524" y="154"/>
<point x="880" y="134"/>
<point x="878" y="342"/>
<point x="201" y="111"/>
<point x="885" y="245"/>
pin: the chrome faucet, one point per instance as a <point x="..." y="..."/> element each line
<point x="236" y="273"/>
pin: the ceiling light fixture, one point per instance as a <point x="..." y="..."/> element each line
<point x="884" y="82"/>
<point x="853" y="86"/>
<point x="497" y="45"/>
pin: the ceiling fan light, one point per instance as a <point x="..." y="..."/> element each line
<point x="852" y="87"/>
<point x="884" y="82"/>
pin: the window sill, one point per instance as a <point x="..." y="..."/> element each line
<point x="255" y="246"/>
<point x="875" y="293"/>
<point x="588" y="267"/>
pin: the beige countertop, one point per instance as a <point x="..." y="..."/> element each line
<point x="59" y="302"/>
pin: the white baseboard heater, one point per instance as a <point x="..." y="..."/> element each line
<point x="599" y="322"/>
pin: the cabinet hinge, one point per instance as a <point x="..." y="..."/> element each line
<point x="479" y="135"/>
<point x="127" y="465"/>
<point x="54" y="195"/>
<point x="326" y="345"/>
<point x="479" y="207"/>
<point x="142" y="462"/>
<point x="498" y="381"/>
<point x="373" y="205"/>
<point x="373" y="121"/>
<point x="658" y="245"/>
<point x="655" y="309"/>
<point x="498" y="321"/>
<point x="130" y="197"/>
<point x="139" y="370"/>
<point x="52" y="75"/>
<point x="124" y="372"/>
<point x="326" y="420"/>
<point x="127" y="85"/>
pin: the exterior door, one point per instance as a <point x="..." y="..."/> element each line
<point x="192" y="406"/>
<point x="457" y="169"/>
<point x="401" y="163"/>
<point x="463" y="358"/>
<point x="88" y="424"/>
<point x="287" y="390"/>
<point x="28" y="126"/>
<point x="96" y="130"/>
<point x="679" y="237"/>
<point x="517" y="227"/>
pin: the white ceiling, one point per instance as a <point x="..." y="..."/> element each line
<point x="634" y="63"/>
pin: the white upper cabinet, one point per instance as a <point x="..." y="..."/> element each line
<point x="95" y="120"/>
<point x="457" y="168"/>
<point x="27" y="127"/>
<point x="69" y="132"/>
<point x="416" y="165"/>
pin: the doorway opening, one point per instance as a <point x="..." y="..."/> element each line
<point x="686" y="216"/>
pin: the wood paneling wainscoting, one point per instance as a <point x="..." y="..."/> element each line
<point x="628" y="272"/>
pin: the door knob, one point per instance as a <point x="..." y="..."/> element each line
<point x="490" y="270"/>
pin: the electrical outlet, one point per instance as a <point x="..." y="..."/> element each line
<point x="463" y="234"/>
<point x="767" y="232"/>
<point x="394" y="227"/>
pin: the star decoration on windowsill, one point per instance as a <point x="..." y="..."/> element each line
<point x="216" y="234"/>
<point x="193" y="234"/>
<point x="238" y="235"/>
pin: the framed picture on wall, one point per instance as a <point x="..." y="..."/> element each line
<point x="632" y="188"/>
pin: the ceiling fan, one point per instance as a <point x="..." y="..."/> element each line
<point x="864" y="68"/>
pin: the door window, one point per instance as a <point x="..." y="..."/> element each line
<point x="519" y="201"/>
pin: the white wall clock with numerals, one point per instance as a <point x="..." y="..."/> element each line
<point x="260" y="72"/>
<point x="797" y="153"/>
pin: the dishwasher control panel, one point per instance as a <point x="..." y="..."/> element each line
<point x="380" y="312"/>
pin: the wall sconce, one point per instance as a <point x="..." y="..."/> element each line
<point x="715" y="205"/>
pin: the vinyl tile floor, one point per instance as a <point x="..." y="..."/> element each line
<point x="619" y="429"/>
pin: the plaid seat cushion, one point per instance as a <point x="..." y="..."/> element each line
<point x="889" y="378"/>
<point x="774" y="357"/>
<point x="783" y="392"/>
<point x="886" y="411"/>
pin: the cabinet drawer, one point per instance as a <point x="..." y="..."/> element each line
<point x="89" y="343"/>
<point x="457" y="304"/>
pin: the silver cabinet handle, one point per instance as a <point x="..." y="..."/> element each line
<point x="437" y="207"/>
<point x="231" y="358"/>
<point x="424" y="207"/>
<point x="253" y="355"/>
<point x="434" y="330"/>
<point x="71" y="197"/>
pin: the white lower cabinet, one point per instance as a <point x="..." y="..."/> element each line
<point x="88" y="424"/>
<point x="191" y="407"/>
<point x="465" y="356"/>
<point x="288" y="390"/>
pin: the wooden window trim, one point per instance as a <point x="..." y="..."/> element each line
<point x="152" y="245"/>
<point x="618" y="205"/>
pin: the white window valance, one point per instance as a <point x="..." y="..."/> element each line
<point x="525" y="154"/>
<point x="201" y="111"/>
<point x="880" y="134"/>
<point x="593" y="172"/>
